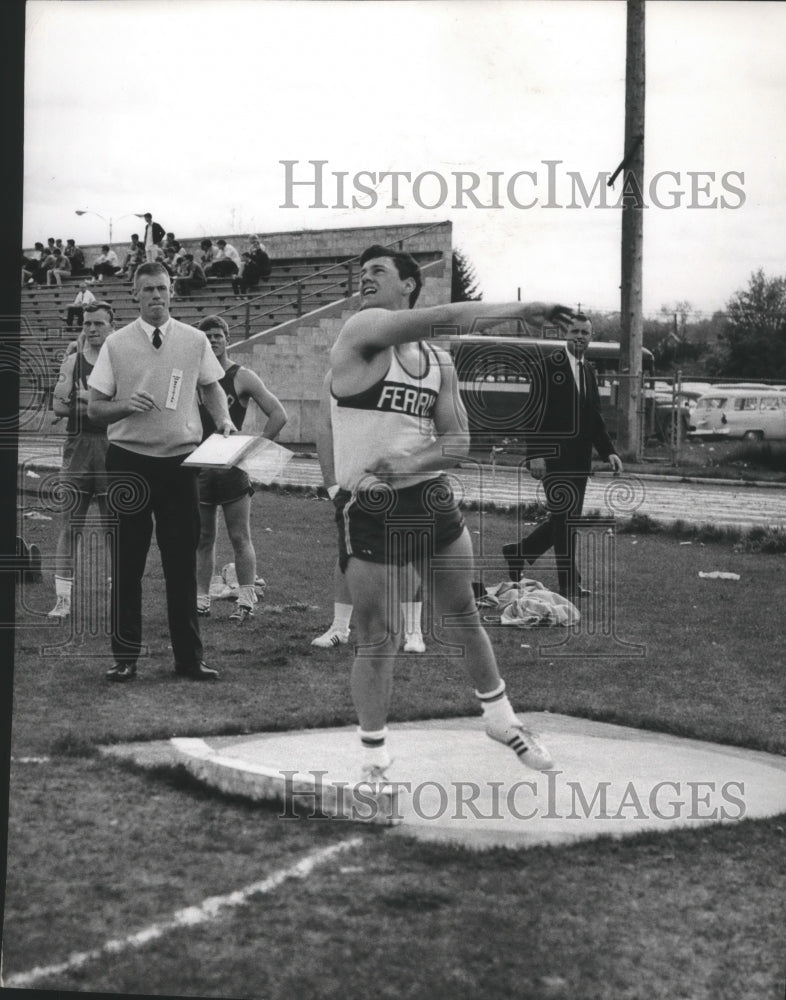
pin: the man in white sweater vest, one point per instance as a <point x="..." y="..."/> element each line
<point x="143" y="388"/>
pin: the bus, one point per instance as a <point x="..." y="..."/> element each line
<point x="496" y="373"/>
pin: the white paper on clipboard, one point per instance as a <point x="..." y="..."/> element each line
<point x="266" y="462"/>
<point x="222" y="452"/>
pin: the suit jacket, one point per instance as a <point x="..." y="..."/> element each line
<point x="562" y="422"/>
<point x="158" y="232"/>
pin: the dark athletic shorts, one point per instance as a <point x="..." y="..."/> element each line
<point x="84" y="463"/>
<point x="397" y="526"/>
<point x="220" y="486"/>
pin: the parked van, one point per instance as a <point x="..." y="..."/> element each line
<point x="752" y="414"/>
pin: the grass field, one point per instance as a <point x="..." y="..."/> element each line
<point x="99" y="849"/>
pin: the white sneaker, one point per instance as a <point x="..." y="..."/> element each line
<point x="524" y="744"/>
<point x="413" y="643"/>
<point x="333" y="637"/>
<point x="62" y="608"/>
<point x="241" y="614"/>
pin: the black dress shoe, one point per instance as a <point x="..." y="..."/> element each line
<point x="121" y="672"/>
<point x="196" y="671"/>
<point x="514" y="560"/>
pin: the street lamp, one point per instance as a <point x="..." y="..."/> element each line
<point x="109" y="222"/>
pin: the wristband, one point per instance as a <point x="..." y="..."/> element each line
<point x="332" y="490"/>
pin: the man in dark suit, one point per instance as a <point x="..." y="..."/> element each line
<point x="560" y="453"/>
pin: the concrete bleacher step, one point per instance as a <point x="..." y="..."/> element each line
<point x="316" y="281"/>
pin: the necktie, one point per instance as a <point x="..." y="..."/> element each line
<point x="156" y="338"/>
<point x="582" y="384"/>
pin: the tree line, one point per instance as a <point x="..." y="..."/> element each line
<point x="746" y="340"/>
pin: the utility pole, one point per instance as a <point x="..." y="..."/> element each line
<point x="631" y="398"/>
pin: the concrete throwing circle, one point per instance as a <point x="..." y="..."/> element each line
<point x="449" y="781"/>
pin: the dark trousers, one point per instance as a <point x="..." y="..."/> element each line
<point x="108" y="269"/>
<point x="242" y="285"/>
<point x="141" y="489"/>
<point x="564" y="500"/>
<point x="222" y="268"/>
<point x="185" y="286"/>
<point x="74" y="317"/>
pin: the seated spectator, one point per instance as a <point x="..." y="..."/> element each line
<point x="29" y="266"/>
<point x="61" y="268"/>
<point x="180" y="252"/>
<point x="51" y="247"/>
<point x="75" y="312"/>
<point x="249" y="275"/>
<point x="169" y="261"/>
<point x="260" y="256"/>
<point x="226" y="261"/>
<point x="35" y="264"/>
<point x="168" y="241"/>
<point x="106" y="264"/>
<point x="207" y="254"/>
<point x="47" y="263"/>
<point x="189" y="276"/>
<point x="134" y="257"/>
<point x="77" y="257"/>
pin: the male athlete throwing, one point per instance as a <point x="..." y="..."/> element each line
<point x="398" y="421"/>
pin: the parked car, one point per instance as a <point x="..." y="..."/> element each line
<point x="667" y="407"/>
<point x="750" y="414"/>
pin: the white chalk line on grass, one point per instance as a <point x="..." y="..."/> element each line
<point x="190" y="916"/>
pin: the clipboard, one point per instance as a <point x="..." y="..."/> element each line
<point x="219" y="452"/>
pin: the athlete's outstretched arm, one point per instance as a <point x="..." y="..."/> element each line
<point x="374" y="329"/>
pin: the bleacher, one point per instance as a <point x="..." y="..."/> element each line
<point x="311" y="282"/>
<point x="326" y="273"/>
<point x="296" y="286"/>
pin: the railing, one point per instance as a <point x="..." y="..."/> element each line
<point x="300" y="296"/>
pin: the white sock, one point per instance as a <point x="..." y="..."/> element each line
<point x="374" y="749"/>
<point x="341" y="616"/>
<point x="63" y="585"/>
<point x="497" y="709"/>
<point x="413" y="612"/>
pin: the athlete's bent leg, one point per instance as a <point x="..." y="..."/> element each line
<point x="456" y="615"/>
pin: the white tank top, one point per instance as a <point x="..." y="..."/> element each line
<point x="393" y="417"/>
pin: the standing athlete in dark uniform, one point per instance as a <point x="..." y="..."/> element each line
<point x="231" y="489"/>
<point x="84" y="453"/>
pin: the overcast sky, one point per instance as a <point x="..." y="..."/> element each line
<point x="186" y="108"/>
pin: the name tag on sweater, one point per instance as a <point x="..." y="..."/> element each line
<point x="173" y="393"/>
